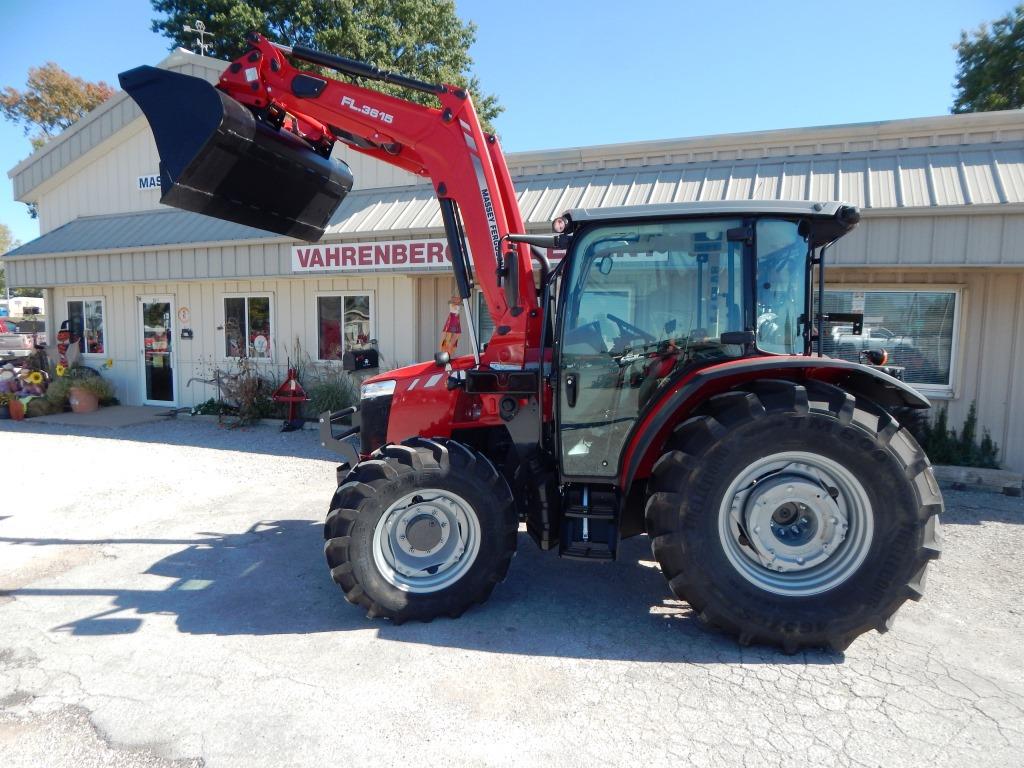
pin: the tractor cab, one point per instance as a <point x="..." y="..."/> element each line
<point x="649" y="294"/>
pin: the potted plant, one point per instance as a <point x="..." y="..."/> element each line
<point x="85" y="394"/>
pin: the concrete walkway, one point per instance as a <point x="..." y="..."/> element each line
<point x="169" y="606"/>
<point x="112" y="416"/>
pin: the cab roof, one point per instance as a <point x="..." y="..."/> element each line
<point x="829" y="220"/>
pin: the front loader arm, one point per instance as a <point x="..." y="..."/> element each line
<point x="446" y="144"/>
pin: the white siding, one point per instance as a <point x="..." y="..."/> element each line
<point x="109" y="184"/>
<point x="434" y="293"/>
<point x="293" y="320"/>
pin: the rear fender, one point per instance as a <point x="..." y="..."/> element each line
<point x="682" y="398"/>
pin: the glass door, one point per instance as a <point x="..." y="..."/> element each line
<point x="156" y="318"/>
<point x="641" y="301"/>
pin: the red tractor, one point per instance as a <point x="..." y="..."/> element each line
<point x="661" y="379"/>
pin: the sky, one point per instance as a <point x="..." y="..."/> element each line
<point x="582" y="72"/>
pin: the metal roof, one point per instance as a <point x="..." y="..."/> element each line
<point x="902" y="180"/>
<point x="905" y="179"/>
<point x="136" y="230"/>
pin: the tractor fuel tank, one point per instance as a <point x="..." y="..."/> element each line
<point x="218" y="159"/>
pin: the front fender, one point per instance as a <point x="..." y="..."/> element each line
<point x="681" y="398"/>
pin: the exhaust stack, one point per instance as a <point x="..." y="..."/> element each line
<point x="218" y="159"/>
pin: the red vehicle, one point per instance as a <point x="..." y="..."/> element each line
<point x="629" y="390"/>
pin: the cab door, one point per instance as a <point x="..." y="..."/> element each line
<point x="639" y="301"/>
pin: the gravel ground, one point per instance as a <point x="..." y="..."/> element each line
<point x="163" y="602"/>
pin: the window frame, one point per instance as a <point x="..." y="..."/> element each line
<point x="103" y="310"/>
<point x="222" y="323"/>
<point x="946" y="391"/>
<point x="316" y="319"/>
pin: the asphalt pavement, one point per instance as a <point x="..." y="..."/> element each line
<point x="164" y="602"/>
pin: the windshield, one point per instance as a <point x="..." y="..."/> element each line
<point x="641" y="285"/>
<point x="781" y="286"/>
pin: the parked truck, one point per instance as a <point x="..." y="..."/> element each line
<point x="15" y="343"/>
<point x="628" y="390"/>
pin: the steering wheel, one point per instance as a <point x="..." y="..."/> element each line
<point x="627" y="327"/>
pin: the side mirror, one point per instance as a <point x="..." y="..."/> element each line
<point x="442" y="359"/>
<point x="604" y="266"/>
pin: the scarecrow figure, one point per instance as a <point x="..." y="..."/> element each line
<point x="452" y="328"/>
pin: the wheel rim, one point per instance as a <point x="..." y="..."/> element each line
<point x="796" y="523"/>
<point x="426" y="541"/>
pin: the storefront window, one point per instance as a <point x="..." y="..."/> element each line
<point x="85" y="325"/>
<point x="247" y="331"/>
<point x="916" y="328"/>
<point x="344" y="324"/>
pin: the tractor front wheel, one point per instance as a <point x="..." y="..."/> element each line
<point x="423" y="529"/>
<point x="794" y="515"/>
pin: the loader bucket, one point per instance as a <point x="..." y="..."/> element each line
<point x="216" y="158"/>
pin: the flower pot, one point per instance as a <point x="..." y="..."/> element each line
<point x="17" y="409"/>
<point x="82" y="400"/>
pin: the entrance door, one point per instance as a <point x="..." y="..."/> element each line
<point x="156" y="320"/>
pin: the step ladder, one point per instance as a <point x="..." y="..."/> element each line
<point x="590" y="523"/>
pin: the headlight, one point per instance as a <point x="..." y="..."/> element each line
<point x="378" y="389"/>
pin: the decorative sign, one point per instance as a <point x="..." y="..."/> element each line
<point x="148" y="182"/>
<point x="184" y="315"/>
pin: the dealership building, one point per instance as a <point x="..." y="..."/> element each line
<point x="936" y="265"/>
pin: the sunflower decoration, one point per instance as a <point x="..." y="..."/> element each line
<point x="33" y="383"/>
<point x="108" y="363"/>
<point x="61" y="369"/>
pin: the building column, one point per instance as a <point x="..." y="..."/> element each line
<point x="50" y="310"/>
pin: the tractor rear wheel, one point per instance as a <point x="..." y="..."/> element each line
<point x="423" y="529"/>
<point x="794" y="515"/>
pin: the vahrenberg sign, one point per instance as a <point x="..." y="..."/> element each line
<point x="399" y="255"/>
<point x="396" y="255"/>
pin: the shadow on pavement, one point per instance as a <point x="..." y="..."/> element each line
<point x="272" y="579"/>
<point x="976" y="508"/>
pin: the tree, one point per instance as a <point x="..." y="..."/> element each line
<point x="8" y="242"/>
<point x="420" y="38"/>
<point x="52" y="100"/>
<point x="990" y="66"/>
